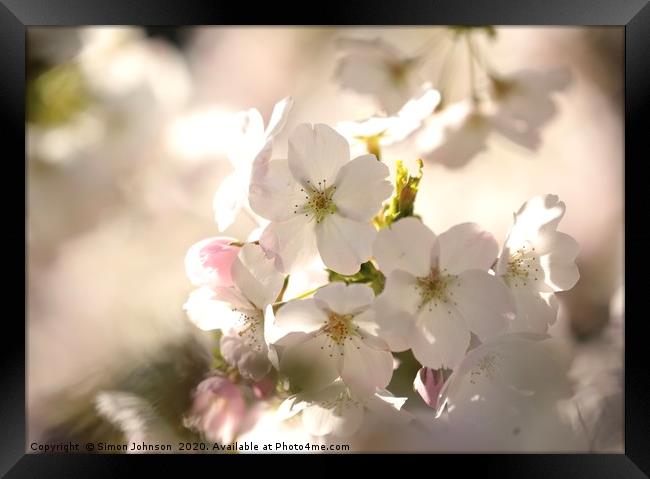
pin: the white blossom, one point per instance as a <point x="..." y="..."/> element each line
<point x="333" y="335"/>
<point x="238" y="311"/>
<point x="336" y="410"/>
<point x="537" y="261"/>
<point x="376" y="68"/>
<point x="438" y="290"/>
<point x="249" y="139"/>
<point x="318" y="201"/>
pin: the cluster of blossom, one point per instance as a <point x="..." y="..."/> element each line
<point x="514" y="106"/>
<point x="471" y="314"/>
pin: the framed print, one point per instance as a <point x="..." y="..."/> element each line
<point x="384" y="230"/>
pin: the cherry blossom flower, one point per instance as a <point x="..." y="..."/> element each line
<point x="520" y="105"/>
<point x="525" y="101"/>
<point x="218" y="410"/>
<point x="250" y="138"/>
<point x="537" y="261"/>
<point x="336" y="339"/>
<point x="389" y="130"/>
<point x="319" y="202"/>
<point x="438" y="290"/>
<point x="374" y="67"/>
<point x="507" y="392"/>
<point x="208" y="262"/>
<point x="238" y="310"/>
<point x="336" y="410"/>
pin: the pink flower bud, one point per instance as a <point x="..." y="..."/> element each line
<point x="428" y="383"/>
<point x="218" y="410"/>
<point x="208" y="262"/>
<point x="263" y="388"/>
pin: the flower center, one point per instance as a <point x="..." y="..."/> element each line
<point x="522" y="266"/>
<point x="434" y="289"/>
<point x="319" y="201"/>
<point x="339" y="328"/>
<point x="250" y="329"/>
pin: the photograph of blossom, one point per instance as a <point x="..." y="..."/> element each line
<point x="307" y="239"/>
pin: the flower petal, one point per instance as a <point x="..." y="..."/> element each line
<point x="208" y="312"/>
<point x="279" y="117"/>
<point x="346" y="299"/>
<point x="248" y="138"/>
<point x="311" y="364"/>
<point x="273" y="192"/>
<point x="343" y="243"/>
<point x="393" y="325"/>
<point x="388" y="407"/>
<point x="466" y="246"/>
<point x="341" y="421"/>
<point x="539" y="215"/>
<point x="291" y="243"/>
<point x="256" y="276"/>
<point x="209" y="262"/>
<point x="559" y="265"/>
<point x="483" y="301"/>
<point x="365" y="368"/>
<point x="535" y="311"/>
<point x="401" y="292"/>
<point x="316" y="154"/>
<point x="230" y="198"/>
<point x="407" y="245"/>
<point x="361" y="186"/>
<point x="441" y="337"/>
<point x="303" y="315"/>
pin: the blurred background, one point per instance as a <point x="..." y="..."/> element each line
<point x="126" y="135"/>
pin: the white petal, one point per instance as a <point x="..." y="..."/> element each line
<point x="401" y="292"/>
<point x="388" y="407"/>
<point x="483" y="301"/>
<point x="273" y="192"/>
<point x="316" y="154"/>
<point x="466" y="246"/>
<point x="248" y="138"/>
<point x="370" y="67"/>
<point x="559" y="264"/>
<point x="279" y="117"/>
<point x="346" y="299"/>
<point x="311" y="364"/>
<point x="393" y="325"/>
<point x="361" y="187"/>
<point x="256" y="276"/>
<point x="341" y="421"/>
<point x="454" y="136"/>
<point x="208" y="312"/>
<point x="291" y="243"/>
<point x="230" y="198"/>
<point x="343" y="243"/>
<point x="303" y="315"/>
<point x="406" y="245"/>
<point x="535" y="311"/>
<point x="441" y="337"/>
<point x="538" y="215"/>
<point x="365" y="368"/>
<point x="290" y="407"/>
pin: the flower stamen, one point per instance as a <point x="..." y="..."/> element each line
<point x="319" y="203"/>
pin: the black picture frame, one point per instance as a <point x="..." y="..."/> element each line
<point x="634" y="15"/>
